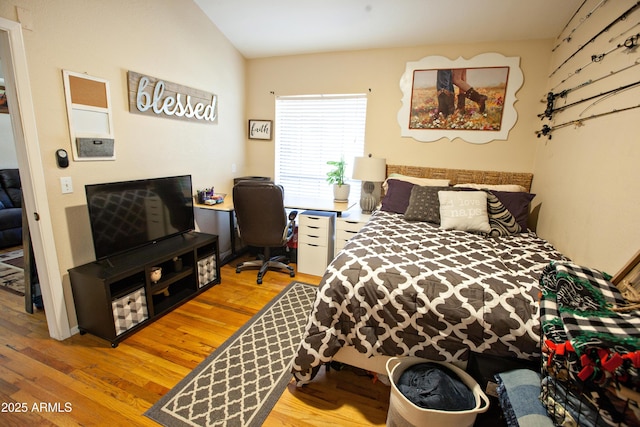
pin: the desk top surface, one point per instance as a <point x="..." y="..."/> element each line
<point x="302" y="203"/>
<point x="319" y="204"/>
<point x="226" y="205"/>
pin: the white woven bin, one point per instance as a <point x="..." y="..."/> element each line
<point x="404" y="413"/>
<point x="206" y="270"/>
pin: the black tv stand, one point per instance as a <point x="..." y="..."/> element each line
<point x="115" y="297"/>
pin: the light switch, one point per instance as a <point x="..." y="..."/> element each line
<point x="66" y="184"/>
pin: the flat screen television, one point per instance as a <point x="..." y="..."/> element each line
<point x="130" y="214"/>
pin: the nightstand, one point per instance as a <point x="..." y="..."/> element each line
<point x="348" y="225"/>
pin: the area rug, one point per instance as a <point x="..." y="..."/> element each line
<point x="15" y="258"/>
<point x="11" y="272"/>
<point x="240" y="382"/>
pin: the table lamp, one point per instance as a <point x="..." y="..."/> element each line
<point x="368" y="169"/>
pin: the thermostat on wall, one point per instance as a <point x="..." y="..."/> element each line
<point x="62" y="158"/>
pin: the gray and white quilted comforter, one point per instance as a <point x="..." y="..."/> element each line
<point x="409" y="288"/>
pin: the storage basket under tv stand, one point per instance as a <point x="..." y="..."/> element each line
<point x="115" y="297"/>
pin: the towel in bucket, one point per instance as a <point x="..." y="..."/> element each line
<point x="433" y="386"/>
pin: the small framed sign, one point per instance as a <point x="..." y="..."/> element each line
<point x="260" y="129"/>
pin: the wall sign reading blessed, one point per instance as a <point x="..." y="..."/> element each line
<point x="154" y="97"/>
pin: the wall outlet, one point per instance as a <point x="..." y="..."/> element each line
<point x="66" y="184"/>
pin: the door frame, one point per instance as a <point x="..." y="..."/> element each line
<point x="34" y="189"/>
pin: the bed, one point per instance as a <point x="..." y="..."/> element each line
<point x="423" y="281"/>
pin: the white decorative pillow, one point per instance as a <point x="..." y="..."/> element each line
<point x="513" y="188"/>
<point x="464" y="211"/>
<point x="431" y="182"/>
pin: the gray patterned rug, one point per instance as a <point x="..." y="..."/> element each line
<point x="11" y="272"/>
<point x="240" y="382"/>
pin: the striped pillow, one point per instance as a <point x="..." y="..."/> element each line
<point x="501" y="222"/>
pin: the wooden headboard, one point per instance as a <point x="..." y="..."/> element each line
<point x="465" y="176"/>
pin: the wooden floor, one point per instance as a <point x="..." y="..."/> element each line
<point x="83" y="381"/>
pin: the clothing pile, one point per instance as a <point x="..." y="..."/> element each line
<point x="433" y="386"/>
<point x="591" y="349"/>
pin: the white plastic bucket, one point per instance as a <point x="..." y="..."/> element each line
<point x="404" y="413"/>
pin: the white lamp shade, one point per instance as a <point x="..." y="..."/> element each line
<point x="369" y="169"/>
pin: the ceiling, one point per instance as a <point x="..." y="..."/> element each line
<point x="259" y="28"/>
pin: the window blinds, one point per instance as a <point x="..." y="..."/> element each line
<point x="311" y="130"/>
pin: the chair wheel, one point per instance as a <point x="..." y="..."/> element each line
<point x="259" y="281"/>
<point x="292" y="274"/>
<point x="237" y="270"/>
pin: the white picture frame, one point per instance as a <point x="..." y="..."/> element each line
<point x="487" y="73"/>
<point x="89" y="113"/>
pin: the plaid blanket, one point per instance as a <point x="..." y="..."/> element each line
<point x="589" y="348"/>
<point x="577" y="304"/>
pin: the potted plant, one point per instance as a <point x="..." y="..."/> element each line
<point x="336" y="177"/>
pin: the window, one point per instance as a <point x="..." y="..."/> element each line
<point x="311" y="130"/>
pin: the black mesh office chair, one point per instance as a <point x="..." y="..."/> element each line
<point x="262" y="222"/>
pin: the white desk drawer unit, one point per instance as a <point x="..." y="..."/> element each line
<point x="315" y="241"/>
<point x="347" y="226"/>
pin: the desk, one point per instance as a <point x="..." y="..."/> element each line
<point x="304" y="203"/>
<point x="317" y="204"/>
<point x="301" y="203"/>
<point x="226" y="206"/>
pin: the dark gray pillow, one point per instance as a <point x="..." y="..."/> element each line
<point x="396" y="198"/>
<point x="424" y="204"/>
<point x="517" y="203"/>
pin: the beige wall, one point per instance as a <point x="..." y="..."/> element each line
<point x="172" y="40"/>
<point x="380" y="71"/>
<point x="588" y="178"/>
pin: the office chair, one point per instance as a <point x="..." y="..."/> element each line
<point x="262" y="222"/>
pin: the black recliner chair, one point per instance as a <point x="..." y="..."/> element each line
<point x="262" y="222"/>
